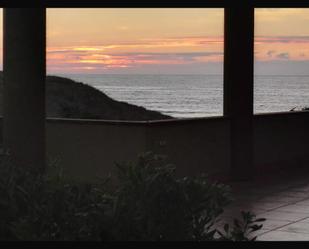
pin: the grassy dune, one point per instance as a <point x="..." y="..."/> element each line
<point x="66" y="98"/>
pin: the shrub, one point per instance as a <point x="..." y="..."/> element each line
<point x="148" y="203"/>
<point x="153" y="204"/>
<point x="241" y="230"/>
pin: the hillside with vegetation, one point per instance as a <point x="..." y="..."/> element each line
<point x="66" y="98"/>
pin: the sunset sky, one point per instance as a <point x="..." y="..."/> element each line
<point x="163" y="41"/>
<point x="135" y="40"/>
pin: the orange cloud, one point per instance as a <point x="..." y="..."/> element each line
<point x="167" y="51"/>
<point x="294" y="48"/>
<point x="171" y="51"/>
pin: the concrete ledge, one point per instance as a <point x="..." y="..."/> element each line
<point x="124" y="122"/>
<point x="90" y="148"/>
<point x="168" y="121"/>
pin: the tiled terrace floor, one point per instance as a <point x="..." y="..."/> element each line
<point x="282" y="199"/>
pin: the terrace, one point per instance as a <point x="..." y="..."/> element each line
<point x="252" y="152"/>
<point x="282" y="199"/>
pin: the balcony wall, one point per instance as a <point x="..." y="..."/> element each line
<point x="195" y="146"/>
<point x="89" y="149"/>
<point x="281" y="140"/>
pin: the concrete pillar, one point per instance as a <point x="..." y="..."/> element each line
<point x="238" y="86"/>
<point x="24" y="86"/>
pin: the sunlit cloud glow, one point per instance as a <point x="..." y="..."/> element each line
<point x="146" y="40"/>
<point x="172" y="51"/>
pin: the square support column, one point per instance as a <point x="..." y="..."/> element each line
<point x="238" y="87"/>
<point x="24" y="86"/>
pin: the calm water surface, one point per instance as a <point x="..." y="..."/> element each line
<point x="197" y="95"/>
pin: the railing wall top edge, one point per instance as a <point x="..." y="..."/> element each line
<point x="166" y="121"/>
<point x="134" y="123"/>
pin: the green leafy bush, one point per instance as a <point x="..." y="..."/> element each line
<point x="153" y="204"/>
<point x="148" y="203"/>
<point x="241" y="230"/>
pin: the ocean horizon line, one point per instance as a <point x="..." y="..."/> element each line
<point x="165" y="74"/>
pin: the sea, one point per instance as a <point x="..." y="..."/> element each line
<point x="190" y="96"/>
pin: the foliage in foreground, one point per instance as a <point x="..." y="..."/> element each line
<point x="149" y="203"/>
